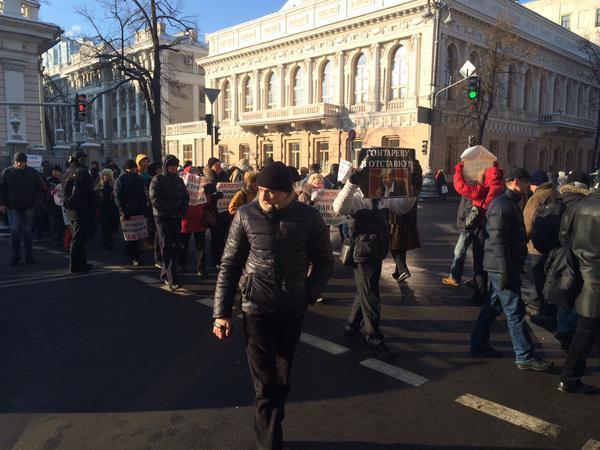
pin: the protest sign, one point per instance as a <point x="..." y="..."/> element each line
<point x="344" y="171"/>
<point x="228" y="190"/>
<point x="390" y="172"/>
<point x="476" y="159"/>
<point x="135" y="228"/>
<point x="195" y="186"/>
<point x="34" y="161"/>
<point x="323" y="201"/>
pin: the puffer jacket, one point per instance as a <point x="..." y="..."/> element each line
<point x="571" y="194"/>
<point x="83" y="184"/>
<point x="20" y="189"/>
<point x="506" y="238"/>
<point x="168" y="195"/>
<point x="130" y="194"/>
<point x="586" y="247"/>
<point x="480" y="194"/>
<point x="269" y="254"/>
<point x="534" y="204"/>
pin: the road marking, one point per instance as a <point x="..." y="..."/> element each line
<point x="394" y="371"/>
<point x="206" y="302"/>
<point x="510" y="415"/>
<point x="323" y="344"/>
<point x="591" y="445"/>
<point x="59" y="278"/>
<point x="146" y="279"/>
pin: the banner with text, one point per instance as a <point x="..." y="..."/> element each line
<point x="195" y="186"/>
<point x="323" y="201"/>
<point x="135" y="228"/>
<point x="228" y="190"/>
<point x="390" y="172"/>
<point x="35" y="161"/>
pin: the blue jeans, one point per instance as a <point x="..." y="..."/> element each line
<point x="567" y="320"/>
<point x="509" y="301"/>
<point x="460" y="253"/>
<point x="21" y="223"/>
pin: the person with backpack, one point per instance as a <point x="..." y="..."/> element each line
<point x="542" y="215"/>
<point x="370" y="233"/>
<point x="80" y="206"/>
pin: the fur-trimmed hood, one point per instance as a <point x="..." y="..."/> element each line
<point x="573" y="188"/>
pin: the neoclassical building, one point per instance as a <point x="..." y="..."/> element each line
<point x="579" y="16"/>
<point x="299" y="84"/>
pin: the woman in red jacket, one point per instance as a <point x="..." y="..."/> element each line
<point x="193" y="223"/>
<point x="481" y="194"/>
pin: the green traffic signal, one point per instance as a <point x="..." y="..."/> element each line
<point x="472" y="95"/>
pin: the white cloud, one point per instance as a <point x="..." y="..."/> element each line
<point x="74" y="31"/>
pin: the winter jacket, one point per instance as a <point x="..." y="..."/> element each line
<point x="20" y="189"/>
<point x="269" y="254"/>
<point x="480" y="194"/>
<point x="168" y="195"/>
<point x="192" y="222"/>
<point x="464" y="206"/>
<point x="506" y="237"/>
<point x="404" y="232"/>
<point x="535" y="203"/>
<point x="585" y="237"/>
<point x="106" y="204"/>
<point x="369" y="227"/>
<point x="130" y="194"/>
<point x="85" y="188"/>
<point x="571" y="194"/>
<point x="245" y="195"/>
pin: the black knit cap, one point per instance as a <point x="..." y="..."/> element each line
<point x="129" y="164"/>
<point x="579" y="176"/>
<point x="212" y="161"/>
<point x="276" y="177"/>
<point x="20" y="157"/>
<point x="517" y="173"/>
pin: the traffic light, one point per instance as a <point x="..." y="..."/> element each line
<point x="474" y="88"/>
<point x="217" y="135"/>
<point x="210" y="122"/>
<point x="80" y="107"/>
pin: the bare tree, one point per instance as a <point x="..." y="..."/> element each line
<point x="592" y="52"/>
<point x="114" y="48"/>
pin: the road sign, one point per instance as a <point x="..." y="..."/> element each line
<point x="212" y="94"/>
<point x="467" y="69"/>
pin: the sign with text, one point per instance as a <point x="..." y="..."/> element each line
<point x="34" y="161"/>
<point x="344" y="171"/>
<point x="135" y="228"/>
<point x="195" y="186"/>
<point x="323" y="201"/>
<point x="228" y="190"/>
<point x="390" y="172"/>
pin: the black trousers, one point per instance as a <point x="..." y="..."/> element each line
<point x="270" y="346"/>
<point x="365" y="313"/>
<point x="132" y="250"/>
<point x="480" y="275"/>
<point x="168" y="229"/>
<point x="400" y="260"/>
<point x="57" y="225"/>
<point x="108" y="224"/>
<point x="200" y="244"/>
<point x="80" y="223"/>
<point x="218" y="236"/>
<point x="586" y="336"/>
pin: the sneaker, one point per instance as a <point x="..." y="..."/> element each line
<point x="381" y="351"/>
<point x="535" y="364"/>
<point x="403" y="277"/>
<point x="174" y="286"/>
<point x="485" y="352"/>
<point x="577" y="387"/>
<point x="395" y="275"/>
<point x="449" y="281"/>
<point x="320" y="300"/>
<point x="135" y="263"/>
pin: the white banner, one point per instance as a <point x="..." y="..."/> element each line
<point x="323" y="201"/>
<point x="195" y="186"/>
<point x="228" y="190"/>
<point x="135" y="228"/>
<point x="34" y="161"/>
<point x="344" y="171"/>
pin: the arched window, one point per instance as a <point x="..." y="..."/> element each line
<point x="451" y="69"/>
<point x="272" y="91"/>
<point x="327" y="83"/>
<point x="227" y="100"/>
<point x="528" y="94"/>
<point x="399" y="82"/>
<point x="248" y="95"/>
<point x="298" y="87"/>
<point x="361" y="80"/>
<point x="542" y="161"/>
<point x="557" y="107"/>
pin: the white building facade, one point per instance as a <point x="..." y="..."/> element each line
<point x="579" y="16"/>
<point x="298" y="84"/>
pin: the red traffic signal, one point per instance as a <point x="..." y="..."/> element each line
<point x="81" y="107"/>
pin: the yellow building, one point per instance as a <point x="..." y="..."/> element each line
<point x="579" y="16"/>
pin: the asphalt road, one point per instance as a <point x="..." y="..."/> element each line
<point x="111" y="360"/>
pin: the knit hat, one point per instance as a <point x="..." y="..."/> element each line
<point x="212" y="161"/>
<point x="139" y="158"/>
<point x="538" y="177"/>
<point x="20" y="157"/>
<point x="171" y="161"/>
<point x="294" y="174"/>
<point x="579" y="176"/>
<point x="129" y="164"/>
<point x="276" y="177"/>
<point x="515" y="173"/>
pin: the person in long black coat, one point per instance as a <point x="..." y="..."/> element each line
<point x="109" y="214"/>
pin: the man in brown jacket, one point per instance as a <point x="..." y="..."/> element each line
<point x="543" y="193"/>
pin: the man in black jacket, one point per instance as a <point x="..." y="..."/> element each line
<point x="272" y="245"/>
<point x="504" y="260"/>
<point x="80" y="210"/>
<point x="170" y="201"/>
<point x="130" y="197"/>
<point x="20" y="188"/>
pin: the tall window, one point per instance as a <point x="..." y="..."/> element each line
<point x="272" y="90"/>
<point x="598" y="17"/>
<point x="298" y="87"/>
<point x="25" y="10"/>
<point x="511" y="88"/>
<point x="248" y="95"/>
<point x="570" y="100"/>
<point x="391" y="142"/>
<point x="399" y="74"/>
<point x="361" y="80"/>
<point x="570" y="160"/>
<point x="323" y="155"/>
<point x="542" y="160"/>
<point x="565" y="21"/>
<point x="451" y="69"/>
<point x="227" y="100"/>
<point x="224" y="154"/>
<point x="557" y="107"/>
<point x="245" y="151"/>
<point x="327" y="83"/>
<point x="267" y="151"/>
<point x="187" y="152"/>
<point x="294" y="154"/>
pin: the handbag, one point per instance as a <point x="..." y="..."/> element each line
<point x="472" y="218"/>
<point x="347" y="251"/>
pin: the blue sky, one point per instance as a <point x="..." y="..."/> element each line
<point x="212" y="15"/>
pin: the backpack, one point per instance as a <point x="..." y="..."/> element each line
<point x="71" y="194"/>
<point x="546" y="225"/>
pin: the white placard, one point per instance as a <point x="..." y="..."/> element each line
<point x="228" y="190"/>
<point x="135" y="228"/>
<point x="475" y="160"/>
<point x="323" y="201"/>
<point x="344" y="171"/>
<point x="34" y="161"/>
<point x="195" y="186"/>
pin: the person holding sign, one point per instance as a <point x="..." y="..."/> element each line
<point x="130" y="196"/>
<point x="369" y="233"/>
<point x="316" y="182"/>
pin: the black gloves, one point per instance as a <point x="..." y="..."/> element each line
<point x="504" y="281"/>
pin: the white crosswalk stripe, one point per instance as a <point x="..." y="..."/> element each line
<point x="394" y="371"/>
<point x="323" y="344"/>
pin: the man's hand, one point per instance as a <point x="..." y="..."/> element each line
<point x="222" y="328"/>
<point x="504" y="281"/>
<point x="3" y="209"/>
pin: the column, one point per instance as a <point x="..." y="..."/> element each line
<point x="503" y="101"/>
<point x="234" y="98"/>
<point x="128" y="110"/>
<point x="282" y="97"/>
<point x="339" y="97"/>
<point x="520" y="94"/>
<point x="550" y="96"/>
<point x="137" y="110"/>
<point x="416" y="65"/>
<point x="195" y="101"/>
<point x="535" y="98"/>
<point x="374" y="79"/>
<point x="256" y="78"/>
<point x="308" y="83"/>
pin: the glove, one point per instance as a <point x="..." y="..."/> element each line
<point x="459" y="167"/>
<point x="504" y="281"/>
